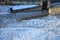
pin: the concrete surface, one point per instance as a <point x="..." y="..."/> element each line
<point x="45" y="28"/>
<point x="55" y="9"/>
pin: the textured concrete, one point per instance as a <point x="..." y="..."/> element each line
<point x="45" y="28"/>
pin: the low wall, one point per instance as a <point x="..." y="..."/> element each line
<point x="54" y="11"/>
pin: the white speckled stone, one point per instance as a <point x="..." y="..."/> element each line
<point x="45" y="28"/>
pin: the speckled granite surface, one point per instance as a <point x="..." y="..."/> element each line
<point x="29" y="34"/>
<point x="45" y="28"/>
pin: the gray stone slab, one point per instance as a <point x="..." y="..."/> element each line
<point x="23" y="7"/>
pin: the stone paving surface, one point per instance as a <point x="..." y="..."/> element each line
<point x="30" y="34"/>
<point x="45" y="28"/>
<point x="11" y="21"/>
